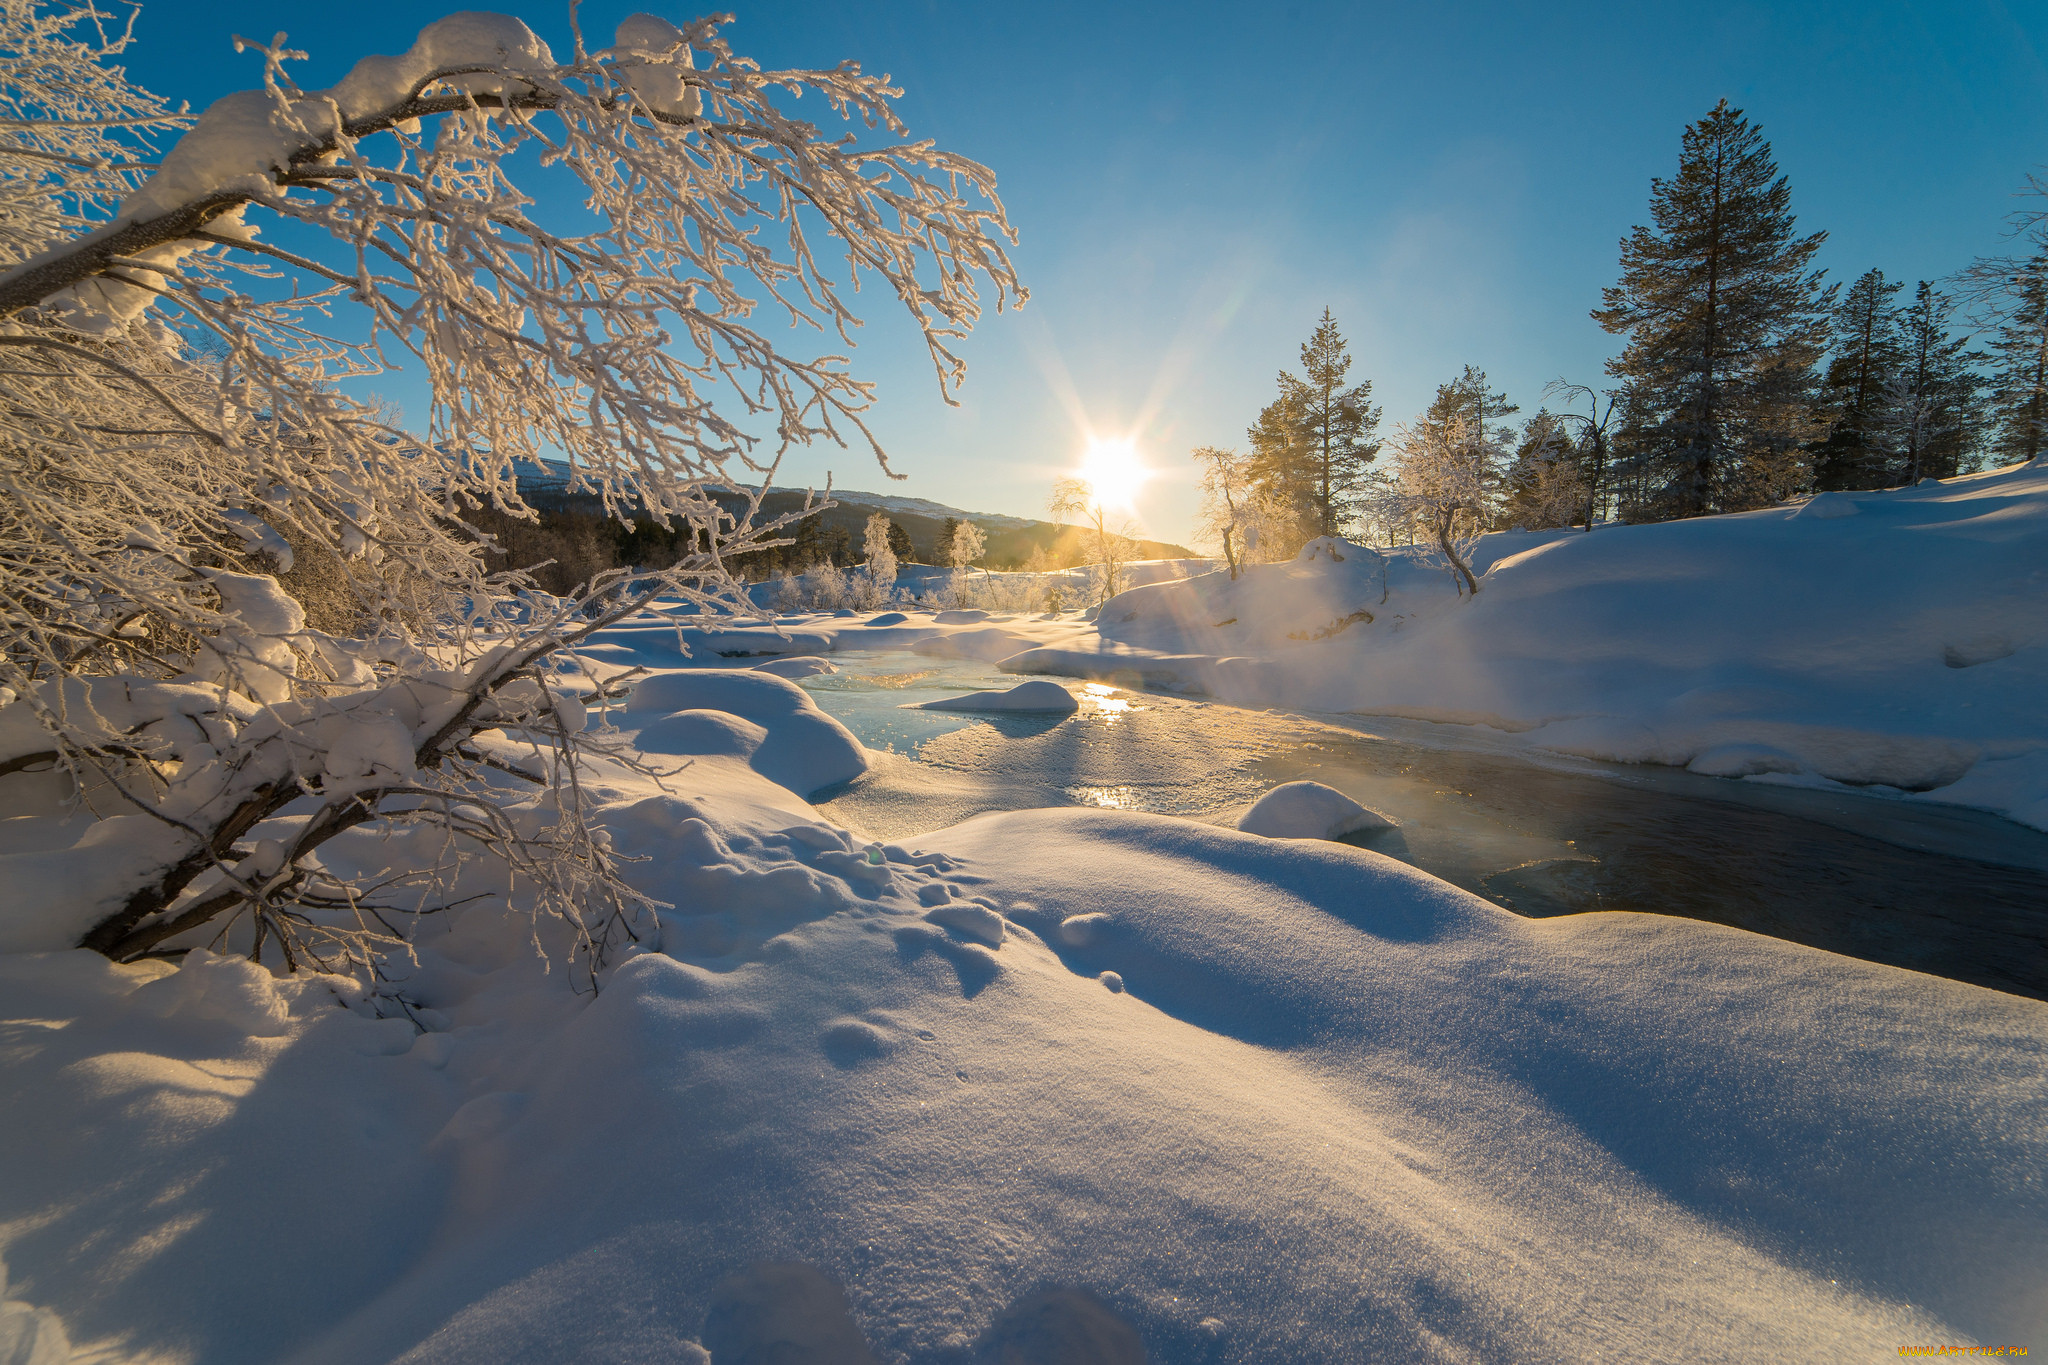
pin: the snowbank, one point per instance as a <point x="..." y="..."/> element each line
<point x="1281" y="1101"/>
<point x="767" y="721"/>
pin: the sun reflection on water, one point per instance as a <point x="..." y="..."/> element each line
<point x="1111" y="798"/>
<point x="1103" y="699"/>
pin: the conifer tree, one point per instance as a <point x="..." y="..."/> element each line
<point x="2012" y="295"/>
<point x="1469" y="396"/>
<point x="1725" y="322"/>
<point x="1281" y="470"/>
<point x="1313" y="446"/>
<point x="1867" y="351"/>
<point x="1337" y="423"/>
<point x="1543" y="486"/>
<point x="1931" y="421"/>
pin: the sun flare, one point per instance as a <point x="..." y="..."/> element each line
<point x="1112" y="468"/>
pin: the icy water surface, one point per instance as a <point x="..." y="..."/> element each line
<point x="1938" y="889"/>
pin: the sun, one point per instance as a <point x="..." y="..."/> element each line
<point x="1112" y="468"/>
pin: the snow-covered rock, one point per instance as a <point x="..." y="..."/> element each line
<point x="1309" y="810"/>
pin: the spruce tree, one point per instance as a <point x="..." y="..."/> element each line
<point x="2019" y="351"/>
<point x="1470" y="396"/>
<point x="1281" y="470"/>
<point x="1725" y="322"/>
<point x="1931" y="420"/>
<point x="1866" y="353"/>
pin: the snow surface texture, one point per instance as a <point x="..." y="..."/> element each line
<point x="1267" y="1100"/>
<point x="1309" y="810"/>
<point x="1038" y="695"/>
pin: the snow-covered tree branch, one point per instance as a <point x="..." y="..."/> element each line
<point x="575" y="253"/>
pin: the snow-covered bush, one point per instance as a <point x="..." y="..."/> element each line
<point x="173" y="429"/>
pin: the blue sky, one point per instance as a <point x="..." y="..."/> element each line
<point x="1194" y="183"/>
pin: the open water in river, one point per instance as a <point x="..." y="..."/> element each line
<point x="1938" y="889"/>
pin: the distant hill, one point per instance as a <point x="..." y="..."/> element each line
<point x="1011" y="540"/>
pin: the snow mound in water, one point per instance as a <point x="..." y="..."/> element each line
<point x="1037" y="695"/>
<point x="1309" y="810"/>
<point x="989" y="644"/>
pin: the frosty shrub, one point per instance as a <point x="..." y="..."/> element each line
<point x="822" y="587"/>
<point x="173" y="438"/>
<point x="1110" y="538"/>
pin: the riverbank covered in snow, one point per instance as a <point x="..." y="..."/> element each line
<point x="1258" y="1099"/>
<point x="1895" y="641"/>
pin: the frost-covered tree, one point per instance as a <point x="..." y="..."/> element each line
<point x="2011" y="295"/>
<point x="1445" y="486"/>
<point x="1241" y="515"/>
<point x="1542" y="486"/>
<point x="879" y="551"/>
<point x="1725" y="319"/>
<point x="1450" y="468"/>
<point x="173" y="433"/>
<point x="1866" y="350"/>
<point x="1109" y="539"/>
<point x="969" y="543"/>
<point x="1930" y="421"/>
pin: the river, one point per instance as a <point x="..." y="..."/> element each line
<point x="1938" y="889"/>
